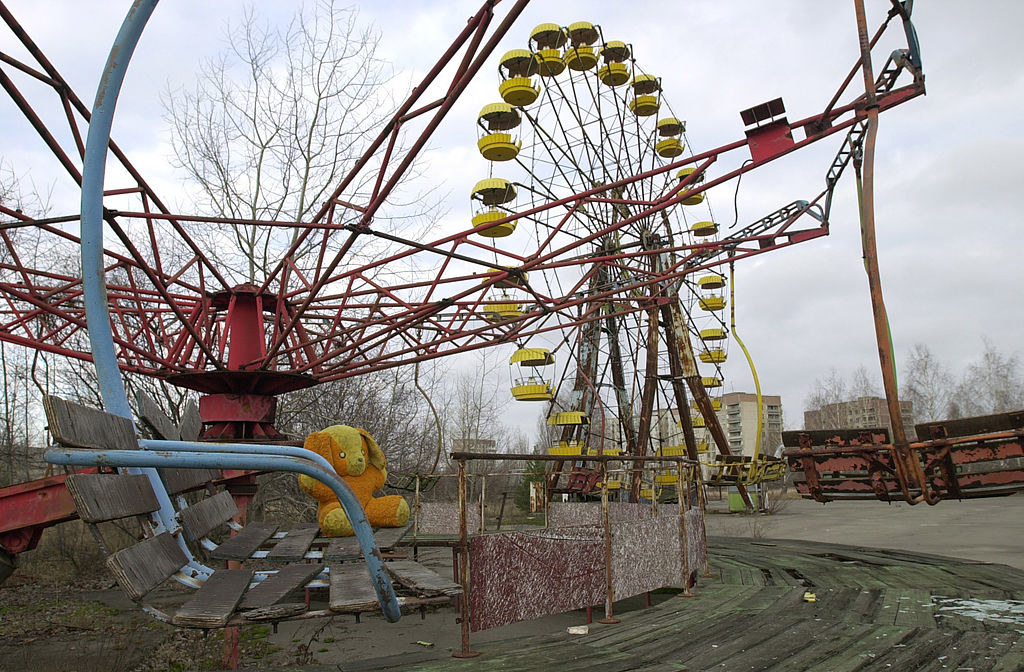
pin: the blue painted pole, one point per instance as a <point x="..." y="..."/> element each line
<point x="245" y="448"/>
<point x="94" y="170"/>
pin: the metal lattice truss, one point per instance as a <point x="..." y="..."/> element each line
<point x="347" y="296"/>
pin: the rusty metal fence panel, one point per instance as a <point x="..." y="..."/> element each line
<point x="518" y="576"/>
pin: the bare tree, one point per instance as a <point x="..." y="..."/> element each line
<point x="274" y="122"/>
<point x="927" y="383"/>
<point x="991" y="384"/>
<point x="824" y="399"/>
<point x="863" y="384"/>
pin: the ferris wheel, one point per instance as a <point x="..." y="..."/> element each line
<point x="579" y="112"/>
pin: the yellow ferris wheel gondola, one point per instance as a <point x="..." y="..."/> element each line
<point x="567" y="448"/>
<point x="645" y="101"/>
<point x="568" y="418"/>
<point x="497" y="142"/>
<point x="694" y="199"/>
<point x="715" y="404"/>
<point x="666" y="477"/>
<point x="713" y="334"/>
<point x="713" y="356"/>
<point x="675" y="450"/>
<point x="671" y="146"/>
<point x="580" y="54"/>
<point x="713" y="281"/>
<point x="492" y="192"/>
<point x="548" y="40"/>
<point x="517" y="68"/>
<point x="532" y="383"/>
<point x="614" y="72"/>
<point x="504" y="308"/>
<point x="703" y="229"/>
<point x="711" y="303"/>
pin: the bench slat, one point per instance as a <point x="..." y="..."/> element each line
<point x="245" y="542"/>
<point x="388" y="537"/>
<point x="207" y="515"/>
<point x="420" y="578"/>
<point x="154" y="417"/>
<point x="276" y="586"/>
<point x="215" y="601"/>
<point x="351" y="588"/>
<point x="83" y="427"/>
<point x="294" y="544"/>
<point x="342" y="548"/>
<point x="191" y="423"/>
<point x="182" y="480"/>
<point x="142" y="567"/>
<point x="102" y="497"/>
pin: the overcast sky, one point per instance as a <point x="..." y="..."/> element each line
<point x="947" y="170"/>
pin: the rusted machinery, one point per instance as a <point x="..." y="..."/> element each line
<point x="959" y="459"/>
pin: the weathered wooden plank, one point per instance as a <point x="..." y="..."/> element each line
<point x="276" y="586"/>
<point x="182" y="480"/>
<point x="142" y="567"/>
<point x="215" y="601"/>
<point x="982" y="424"/>
<point x="342" y="548"/>
<point x="155" y="419"/>
<point x="245" y="542"/>
<point x="422" y="579"/>
<point x="294" y="545"/>
<point x="915" y="609"/>
<point x="75" y="425"/>
<point x="208" y="514"/>
<point x="864" y="652"/>
<point x="818" y="647"/>
<point x="1013" y="659"/>
<point x="100" y="497"/>
<point x="191" y="423"/>
<point x="388" y="537"/>
<point x="276" y="612"/>
<point x="351" y="588"/>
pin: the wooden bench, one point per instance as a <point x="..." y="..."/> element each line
<point x="223" y="596"/>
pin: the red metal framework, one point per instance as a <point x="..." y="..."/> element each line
<point x="318" y="316"/>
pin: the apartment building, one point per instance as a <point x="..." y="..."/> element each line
<point x="860" y="413"/>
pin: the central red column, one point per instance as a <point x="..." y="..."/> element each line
<point x="239" y="400"/>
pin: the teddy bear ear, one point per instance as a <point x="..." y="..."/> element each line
<point x="376" y="455"/>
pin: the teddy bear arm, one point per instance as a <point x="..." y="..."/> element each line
<point x="316" y="489"/>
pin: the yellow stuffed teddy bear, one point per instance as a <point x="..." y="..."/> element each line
<point x="360" y="462"/>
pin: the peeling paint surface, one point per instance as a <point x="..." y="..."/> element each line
<point x="518" y="576"/>
<point x="443" y="518"/>
<point x="696" y="545"/>
<point x="646" y="555"/>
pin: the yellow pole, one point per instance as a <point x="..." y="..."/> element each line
<point x="750" y="361"/>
